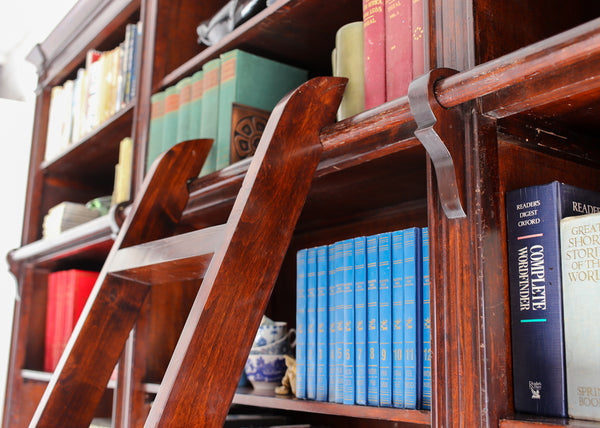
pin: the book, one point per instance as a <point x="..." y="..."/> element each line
<point x="253" y="81"/>
<point x="339" y="322"/>
<point x="155" y="131"/>
<point x="426" y="393"/>
<point x="374" y="52"/>
<point x="311" y="322"/>
<point x="122" y="187"/>
<point x="332" y="287"/>
<point x="301" y="260"/>
<point x="169" y="136"/>
<point x="210" y="111"/>
<point x="322" y="323"/>
<point x="196" y="105"/>
<point x="373" y="320"/>
<point x="348" y="310"/>
<point x="398" y="318"/>
<point x="360" y="318"/>
<point x="385" y="319"/>
<point x="398" y="48"/>
<point x="348" y="61"/>
<point x="580" y="264"/>
<point x="418" y="38"/>
<point x="184" y="88"/>
<point x="68" y="292"/>
<point x="536" y="315"/>
<point x="413" y="280"/>
<point x="64" y="216"/>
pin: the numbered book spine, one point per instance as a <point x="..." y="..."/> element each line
<point x="413" y="283"/>
<point x="301" y="323"/>
<point x="580" y="255"/>
<point x="385" y="320"/>
<point x="322" y="323"/>
<point x="533" y="216"/>
<point x="360" y="318"/>
<point x="397" y="319"/>
<point x="349" y="347"/>
<point x="373" y="320"/>
<point x="331" y="285"/>
<point x="311" y="321"/>
<point x="426" y="401"/>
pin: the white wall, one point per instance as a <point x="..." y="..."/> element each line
<point x="15" y="138"/>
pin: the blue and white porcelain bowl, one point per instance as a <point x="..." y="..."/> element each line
<point x="270" y="332"/>
<point x="281" y="346"/>
<point x="265" y="371"/>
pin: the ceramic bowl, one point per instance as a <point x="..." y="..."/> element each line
<point x="265" y="371"/>
<point x="270" y="332"/>
<point x="281" y="346"/>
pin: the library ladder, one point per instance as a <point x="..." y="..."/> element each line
<point x="239" y="262"/>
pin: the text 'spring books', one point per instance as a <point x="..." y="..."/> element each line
<point x="533" y="216"/>
<point x="580" y="259"/>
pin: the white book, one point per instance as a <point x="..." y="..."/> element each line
<point x="580" y="260"/>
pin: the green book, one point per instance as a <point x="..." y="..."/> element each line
<point x="252" y="81"/>
<point x="155" y="131"/>
<point x="196" y="105"/>
<point x="170" y="118"/>
<point x="210" y="111"/>
<point x="184" y="87"/>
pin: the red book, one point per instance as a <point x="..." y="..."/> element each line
<point x="68" y="292"/>
<point x="418" y="38"/>
<point x="398" y="48"/>
<point x="374" y="52"/>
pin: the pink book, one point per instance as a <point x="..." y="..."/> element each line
<point x="398" y="48"/>
<point x="374" y="52"/>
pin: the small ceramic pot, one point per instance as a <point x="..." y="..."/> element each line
<point x="269" y="333"/>
<point x="265" y="371"/>
<point x="281" y="346"/>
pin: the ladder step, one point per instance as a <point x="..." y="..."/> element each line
<point x="176" y="258"/>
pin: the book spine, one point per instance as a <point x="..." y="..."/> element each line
<point x="196" y="105"/>
<point x="349" y="60"/>
<point x="385" y="320"/>
<point x="210" y="111"/>
<point x="398" y="48"/>
<point x="360" y="318"/>
<point x="374" y="52"/>
<point x="301" y="323"/>
<point x="227" y="95"/>
<point x="339" y="322"/>
<point x="51" y="324"/>
<point x="533" y="215"/>
<point x="331" y="300"/>
<point x="349" y="346"/>
<point x="170" y="117"/>
<point x="418" y="39"/>
<point x="412" y="320"/>
<point x="397" y="318"/>
<point x="184" y="87"/>
<point x="580" y="255"/>
<point x="373" y="320"/>
<point x="322" y="323"/>
<point x="155" y="132"/>
<point x="311" y="321"/>
<point x="426" y="400"/>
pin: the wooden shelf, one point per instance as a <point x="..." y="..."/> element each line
<point x="540" y="422"/>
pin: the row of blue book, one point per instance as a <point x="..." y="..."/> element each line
<point x="363" y="321"/>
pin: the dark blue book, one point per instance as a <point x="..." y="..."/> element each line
<point x="360" y="318"/>
<point x="348" y="354"/>
<point x="332" y="323"/>
<point x="535" y="289"/>
<point x="322" y="323"/>
<point x="397" y="318"/>
<point x="339" y="322"/>
<point x="311" y="324"/>
<point x="426" y="400"/>
<point x="413" y="321"/>
<point x="373" y="320"/>
<point x="385" y="319"/>
<point x="301" y="323"/>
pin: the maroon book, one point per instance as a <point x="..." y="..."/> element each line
<point x="398" y="48"/>
<point x="374" y="52"/>
<point x="418" y="37"/>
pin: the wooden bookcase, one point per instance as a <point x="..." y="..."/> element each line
<point x="521" y="110"/>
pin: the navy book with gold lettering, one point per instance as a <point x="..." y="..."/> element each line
<point x="533" y="218"/>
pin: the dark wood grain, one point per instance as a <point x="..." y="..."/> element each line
<point x="114" y="304"/>
<point x="198" y="385"/>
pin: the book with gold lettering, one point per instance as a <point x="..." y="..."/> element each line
<point x="536" y="311"/>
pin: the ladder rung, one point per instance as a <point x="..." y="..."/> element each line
<point x="176" y="258"/>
